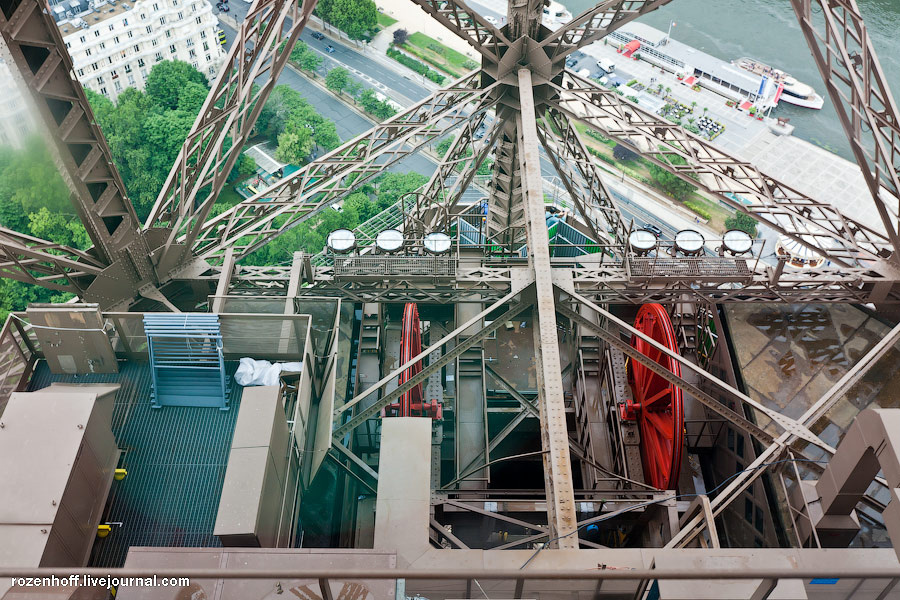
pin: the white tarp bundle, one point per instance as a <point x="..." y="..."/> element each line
<point x="262" y="372"/>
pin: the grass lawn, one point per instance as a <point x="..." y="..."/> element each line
<point x="384" y="20"/>
<point x="437" y="54"/>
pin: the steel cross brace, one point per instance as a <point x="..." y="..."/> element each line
<point x="862" y="99"/>
<point x="256" y="221"/>
<point x="470" y="26"/>
<point x="54" y="266"/>
<point x="262" y="48"/>
<point x="813" y="223"/>
<point x="570" y="157"/>
<point x="445" y="359"/>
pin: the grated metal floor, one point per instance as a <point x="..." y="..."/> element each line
<point x="176" y="460"/>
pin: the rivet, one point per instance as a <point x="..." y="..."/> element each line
<point x="80" y="426"/>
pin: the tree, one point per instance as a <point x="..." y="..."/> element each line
<point x="356" y="18"/>
<point x="669" y="182"/>
<point x="623" y="154"/>
<point x="400" y="37"/>
<point x="391" y="186"/>
<point x="192" y="97"/>
<point x="59" y="228"/>
<point x="306" y="58"/>
<point x="294" y="145"/>
<point x="246" y="165"/>
<point x="168" y="80"/>
<point x="326" y="135"/>
<point x="337" y="79"/>
<point x="742" y="221"/>
<point x="354" y="88"/>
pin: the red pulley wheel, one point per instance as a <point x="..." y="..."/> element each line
<point x="656" y="403"/>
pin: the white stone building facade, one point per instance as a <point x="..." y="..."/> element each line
<point x="114" y="44"/>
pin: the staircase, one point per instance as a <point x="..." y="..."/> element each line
<point x="186" y="361"/>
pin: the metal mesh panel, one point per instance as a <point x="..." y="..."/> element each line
<point x="394" y="266"/>
<point x="707" y="267"/>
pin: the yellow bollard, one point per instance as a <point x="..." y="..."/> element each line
<point x="103" y="530"/>
<point x="120" y="474"/>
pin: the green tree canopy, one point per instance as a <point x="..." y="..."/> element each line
<point x="356" y="18"/>
<point x="337" y="79"/>
<point x="169" y="79"/>
<point x="742" y="221"/>
<point x="294" y="145"/>
<point x="670" y="183"/>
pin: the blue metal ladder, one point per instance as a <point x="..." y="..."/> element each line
<point x="186" y="360"/>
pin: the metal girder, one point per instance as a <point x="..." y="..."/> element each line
<point x="35" y="45"/>
<point x="525" y="18"/>
<point x="460" y="163"/>
<point x="54" y="266"/>
<point x="843" y="51"/>
<point x="813" y="223"/>
<point x="260" y="51"/>
<point x="581" y="177"/>
<point x="554" y="434"/>
<point x="506" y="213"/>
<point x="256" y="221"/>
<point x="445" y="359"/>
<point x="596" y="23"/>
<point x="466" y="23"/>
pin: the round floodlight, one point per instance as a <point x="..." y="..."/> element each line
<point x="737" y="241"/>
<point x="437" y="242"/>
<point x="642" y="240"/>
<point x="389" y="240"/>
<point x="689" y="241"/>
<point x="341" y="241"/>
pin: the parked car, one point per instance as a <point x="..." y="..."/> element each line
<point x="329" y="49"/>
<point x="493" y="21"/>
<point x="571" y="62"/>
<point x="318" y="35"/>
<point x="653" y="229"/>
<point x="222" y="7"/>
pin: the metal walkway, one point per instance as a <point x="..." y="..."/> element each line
<point x="175" y="457"/>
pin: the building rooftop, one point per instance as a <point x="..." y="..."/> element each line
<point x="69" y="25"/>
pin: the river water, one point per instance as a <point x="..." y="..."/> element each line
<point x="768" y="30"/>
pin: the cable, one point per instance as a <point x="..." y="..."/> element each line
<point x="666" y="499"/>
<point x="33" y="326"/>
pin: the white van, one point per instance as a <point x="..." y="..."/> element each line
<point x="607" y="65"/>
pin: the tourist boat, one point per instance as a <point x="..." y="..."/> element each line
<point x="789" y="89"/>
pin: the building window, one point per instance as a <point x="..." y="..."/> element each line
<point x="158" y="56"/>
<point x="125" y="22"/>
<point x="96" y="33"/>
<point x="202" y="35"/>
<point x="103" y="91"/>
<point x="180" y="15"/>
<point x="128" y="68"/>
<point x="162" y="20"/>
<point x="103" y="45"/>
<point x="199" y="20"/>
<point x="154" y="43"/>
<point x="172" y="48"/>
<point x="141" y="62"/>
<point x="116" y="39"/>
<point x="205" y="46"/>
<point x="137" y="47"/>
<point x="68" y="45"/>
<point x="192" y="54"/>
<point x="149" y="29"/>
<point x="111" y="27"/>
<point x="87" y="52"/>
<point x="144" y="73"/>
<point x="190" y="43"/>
<point x="207" y="58"/>
<point x="100" y="80"/>
<point x="95" y="66"/>
<point x="118" y="86"/>
<point x="195" y="65"/>
<point x="109" y="59"/>
<point x="143" y="15"/>
<point x="212" y="70"/>
<point x="168" y="33"/>
<point x="81" y="72"/>
<point x="81" y="39"/>
<point x="131" y="80"/>
<point x="155" y="6"/>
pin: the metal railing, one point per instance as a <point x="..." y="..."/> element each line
<point x="18" y="353"/>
